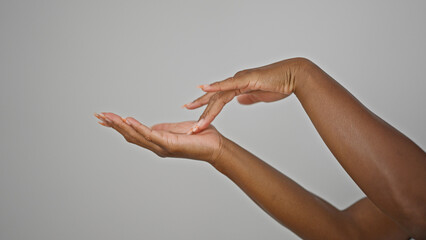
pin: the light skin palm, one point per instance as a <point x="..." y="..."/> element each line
<point x="167" y="139"/>
<point x="204" y="143"/>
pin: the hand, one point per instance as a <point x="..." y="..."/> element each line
<point x="264" y="84"/>
<point x="167" y="139"/>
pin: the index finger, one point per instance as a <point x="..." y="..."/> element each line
<point x="214" y="107"/>
<point x="232" y="83"/>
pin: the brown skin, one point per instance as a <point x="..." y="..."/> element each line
<point x="386" y="165"/>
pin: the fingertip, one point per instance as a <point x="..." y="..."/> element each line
<point x="192" y="106"/>
<point x="187" y="106"/>
<point x="208" y="88"/>
<point x="203" y="86"/>
<point x="201" y="125"/>
<point x="98" y="116"/>
<point x="102" y="117"/>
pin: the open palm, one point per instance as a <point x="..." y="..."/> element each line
<point x="167" y="139"/>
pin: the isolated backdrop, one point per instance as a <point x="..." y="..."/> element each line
<point x="63" y="176"/>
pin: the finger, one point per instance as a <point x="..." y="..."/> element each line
<point x="104" y="121"/>
<point x="129" y="133"/>
<point x="150" y="135"/>
<point x="216" y="104"/>
<point x="233" y="83"/>
<point x="201" y="101"/>
<point x="259" y="96"/>
<point x="103" y="124"/>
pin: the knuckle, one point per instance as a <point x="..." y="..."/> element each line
<point x="148" y="138"/>
<point x="222" y="101"/>
<point x="220" y="98"/>
<point x="254" y="74"/>
<point x="161" y="154"/>
<point x="215" y="97"/>
<point x="239" y="91"/>
<point x="128" y="139"/>
<point x="240" y="73"/>
<point x="120" y="124"/>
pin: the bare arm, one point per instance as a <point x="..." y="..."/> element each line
<point x="388" y="167"/>
<point x="305" y="214"/>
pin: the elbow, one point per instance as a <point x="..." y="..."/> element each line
<point x="410" y="213"/>
<point x="407" y="206"/>
<point x="414" y="220"/>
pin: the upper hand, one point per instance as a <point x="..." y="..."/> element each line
<point x="264" y="84"/>
<point x="167" y="139"/>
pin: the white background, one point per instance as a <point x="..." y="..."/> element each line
<point x="63" y="176"/>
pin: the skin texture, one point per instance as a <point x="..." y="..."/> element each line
<point x="385" y="164"/>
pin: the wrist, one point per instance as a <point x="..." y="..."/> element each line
<point x="305" y="72"/>
<point x="226" y="149"/>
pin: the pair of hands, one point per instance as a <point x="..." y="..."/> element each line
<point x="199" y="140"/>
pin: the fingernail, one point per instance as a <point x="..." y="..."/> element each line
<point x="203" y="86"/>
<point x="101" y="117"/>
<point x="184" y="106"/>
<point x="193" y="129"/>
<point x="197" y="125"/>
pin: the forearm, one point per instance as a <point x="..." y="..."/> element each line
<point x="302" y="212"/>
<point x="388" y="166"/>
